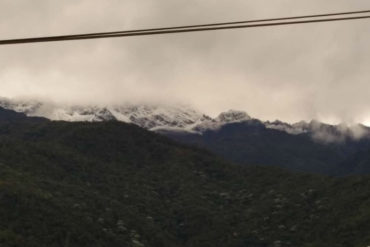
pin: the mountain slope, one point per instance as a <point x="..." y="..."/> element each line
<point x="152" y="117"/>
<point x="252" y="142"/>
<point x="178" y="118"/>
<point x="12" y="116"/>
<point x="234" y="135"/>
<point x="114" y="184"/>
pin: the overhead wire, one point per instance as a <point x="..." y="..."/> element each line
<point x="196" y="28"/>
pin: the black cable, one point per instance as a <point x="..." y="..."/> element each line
<point x="183" y="29"/>
<point x="222" y="23"/>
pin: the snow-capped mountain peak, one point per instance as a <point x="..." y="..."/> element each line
<point x="233" y="116"/>
<point x="152" y="117"/>
<point x="158" y="117"/>
<point x="177" y="118"/>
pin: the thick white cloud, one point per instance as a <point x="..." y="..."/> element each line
<point x="291" y="73"/>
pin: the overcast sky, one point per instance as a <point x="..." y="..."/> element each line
<point x="319" y="71"/>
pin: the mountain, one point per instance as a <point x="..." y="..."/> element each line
<point x="251" y="142"/>
<point x="152" y="117"/>
<point x="323" y="132"/>
<point x="116" y="184"/>
<point x="177" y="118"/>
<point x="12" y="116"/>
<point x="305" y="146"/>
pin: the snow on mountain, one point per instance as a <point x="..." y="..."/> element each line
<point x="27" y="107"/>
<point x="159" y="117"/>
<point x="223" y="118"/>
<point x="147" y="116"/>
<point x="294" y="129"/>
<point x="232" y="116"/>
<point x="321" y="131"/>
<point x="178" y="118"/>
<point x="152" y="117"/>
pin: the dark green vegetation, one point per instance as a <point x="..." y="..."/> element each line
<point x="113" y="184"/>
<point x="252" y="143"/>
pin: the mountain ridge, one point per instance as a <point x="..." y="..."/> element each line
<point x="164" y="118"/>
<point x="115" y="184"/>
<point x="315" y="147"/>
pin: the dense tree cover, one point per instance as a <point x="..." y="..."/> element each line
<point x="252" y="143"/>
<point x="114" y="184"/>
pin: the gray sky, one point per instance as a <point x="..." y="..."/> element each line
<point x="291" y="73"/>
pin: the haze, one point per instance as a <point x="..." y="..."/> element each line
<point x="313" y="71"/>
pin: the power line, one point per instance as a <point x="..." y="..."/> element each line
<point x="223" y="23"/>
<point x="193" y="28"/>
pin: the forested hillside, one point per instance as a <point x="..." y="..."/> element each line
<point x="252" y="143"/>
<point x="114" y="184"/>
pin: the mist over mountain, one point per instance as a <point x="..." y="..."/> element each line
<point x="304" y="146"/>
<point x="185" y="123"/>
<point x="182" y="118"/>
<point x="287" y="73"/>
<point x="92" y="184"/>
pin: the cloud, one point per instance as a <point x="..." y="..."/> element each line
<point x="299" y="72"/>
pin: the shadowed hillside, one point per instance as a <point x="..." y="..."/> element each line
<point x="114" y="184"/>
<point x="252" y="143"/>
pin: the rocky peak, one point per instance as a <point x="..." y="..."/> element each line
<point x="233" y="116"/>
